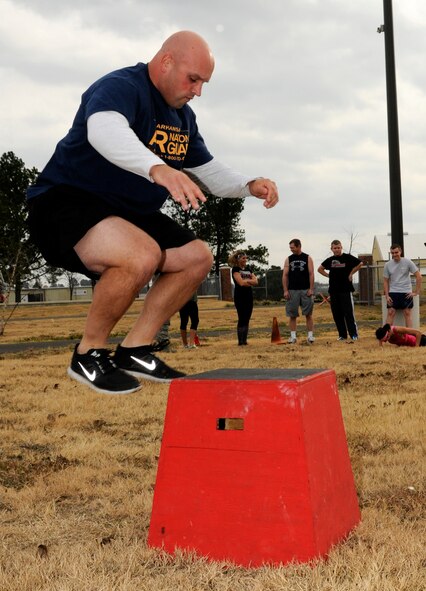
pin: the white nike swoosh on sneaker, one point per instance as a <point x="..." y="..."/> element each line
<point x="149" y="366"/>
<point x="89" y="375"/>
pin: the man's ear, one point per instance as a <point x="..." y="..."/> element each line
<point x="166" y="62"/>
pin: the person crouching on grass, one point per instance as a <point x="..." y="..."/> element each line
<point x="401" y="336"/>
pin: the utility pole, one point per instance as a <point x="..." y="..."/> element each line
<point x="397" y="230"/>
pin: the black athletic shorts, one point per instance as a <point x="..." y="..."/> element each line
<point x="400" y="301"/>
<point x="59" y="218"/>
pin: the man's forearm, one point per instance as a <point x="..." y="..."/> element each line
<point x="386" y="286"/>
<point x="418" y="285"/>
<point x="220" y="180"/>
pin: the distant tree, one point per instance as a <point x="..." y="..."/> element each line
<point x="272" y="282"/>
<point x="5" y="314"/>
<point x="72" y="281"/>
<point x="258" y="257"/>
<point x="52" y="275"/>
<point x="183" y="217"/>
<point x="19" y="257"/>
<point x="352" y="239"/>
<point x="216" y="222"/>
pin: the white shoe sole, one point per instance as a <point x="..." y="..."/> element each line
<point x="76" y="376"/>
<point x="145" y="376"/>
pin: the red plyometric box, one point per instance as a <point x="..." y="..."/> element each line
<point x="254" y="467"/>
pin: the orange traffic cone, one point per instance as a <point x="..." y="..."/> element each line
<point x="275" y="335"/>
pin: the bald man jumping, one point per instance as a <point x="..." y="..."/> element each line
<point x="95" y="208"/>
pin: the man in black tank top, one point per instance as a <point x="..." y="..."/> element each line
<point x="298" y="285"/>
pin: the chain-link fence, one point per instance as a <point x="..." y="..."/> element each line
<point x="210" y="286"/>
<point x="368" y="287"/>
<point x="368" y="284"/>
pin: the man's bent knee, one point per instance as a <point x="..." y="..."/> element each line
<point x="206" y="256"/>
<point x="194" y="257"/>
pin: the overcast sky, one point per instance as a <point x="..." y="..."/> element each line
<point x="298" y="95"/>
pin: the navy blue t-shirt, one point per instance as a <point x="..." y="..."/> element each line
<point x="172" y="134"/>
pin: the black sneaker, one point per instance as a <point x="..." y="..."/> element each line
<point x="141" y="363"/>
<point x="97" y="370"/>
<point x="163" y="344"/>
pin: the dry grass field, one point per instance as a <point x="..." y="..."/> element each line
<point x="77" y="468"/>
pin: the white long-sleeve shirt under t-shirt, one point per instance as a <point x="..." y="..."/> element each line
<point x="109" y="133"/>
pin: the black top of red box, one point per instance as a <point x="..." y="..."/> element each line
<point x="255" y="374"/>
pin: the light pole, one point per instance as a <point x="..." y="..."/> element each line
<point x="397" y="230"/>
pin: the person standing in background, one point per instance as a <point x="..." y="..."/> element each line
<point x="340" y="268"/>
<point x="298" y="286"/>
<point x="189" y="311"/>
<point x="243" y="280"/>
<point x="397" y="286"/>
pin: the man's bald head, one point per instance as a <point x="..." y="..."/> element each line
<point x="184" y="43"/>
<point x="180" y="68"/>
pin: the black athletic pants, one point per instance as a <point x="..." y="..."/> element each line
<point x="342" y="308"/>
<point x="189" y="311"/>
<point x="244" y="306"/>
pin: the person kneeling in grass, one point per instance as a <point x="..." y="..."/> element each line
<point x="401" y="336"/>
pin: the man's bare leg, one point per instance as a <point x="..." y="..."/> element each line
<point x="127" y="258"/>
<point x="310" y="322"/>
<point x="183" y="269"/>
